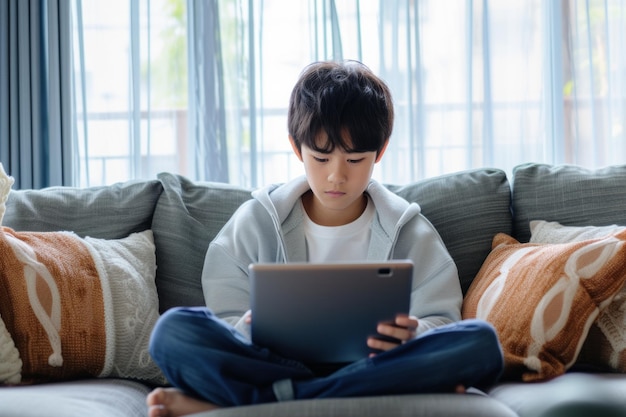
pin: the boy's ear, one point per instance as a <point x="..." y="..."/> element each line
<point x="382" y="151"/>
<point x="295" y="148"/>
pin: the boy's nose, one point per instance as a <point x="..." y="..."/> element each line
<point x="337" y="175"/>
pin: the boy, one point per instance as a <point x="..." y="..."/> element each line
<point x="340" y="120"/>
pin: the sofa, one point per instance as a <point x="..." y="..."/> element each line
<point x="120" y="290"/>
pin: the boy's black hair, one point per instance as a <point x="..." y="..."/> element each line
<point x="340" y="97"/>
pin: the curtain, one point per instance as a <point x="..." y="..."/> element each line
<point x="148" y="90"/>
<point x="201" y="88"/>
<point x="594" y="60"/>
<point x="35" y="107"/>
<point x="476" y="82"/>
<point x="207" y="104"/>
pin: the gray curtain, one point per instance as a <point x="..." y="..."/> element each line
<point x="35" y="107"/>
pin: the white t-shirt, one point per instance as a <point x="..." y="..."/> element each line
<point x="348" y="242"/>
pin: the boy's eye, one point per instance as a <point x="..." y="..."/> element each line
<point x="355" y="161"/>
<point x="318" y="159"/>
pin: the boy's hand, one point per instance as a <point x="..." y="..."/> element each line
<point x="395" y="333"/>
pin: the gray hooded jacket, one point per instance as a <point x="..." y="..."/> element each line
<point x="269" y="228"/>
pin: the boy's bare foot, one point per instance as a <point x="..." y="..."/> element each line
<point x="171" y="402"/>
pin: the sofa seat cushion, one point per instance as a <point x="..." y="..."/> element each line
<point x="431" y="405"/>
<point x="85" y="398"/>
<point x="571" y="395"/>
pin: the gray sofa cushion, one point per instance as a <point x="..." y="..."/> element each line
<point x="111" y="212"/>
<point x="570" y="395"/>
<point x="570" y="195"/>
<point x="187" y="217"/>
<point x="467" y="208"/>
<point x="431" y="405"/>
<point x="88" y="398"/>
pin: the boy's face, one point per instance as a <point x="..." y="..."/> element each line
<point x="338" y="181"/>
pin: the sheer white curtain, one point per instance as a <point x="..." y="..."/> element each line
<point x="130" y="89"/>
<point x="594" y="61"/>
<point x="202" y="87"/>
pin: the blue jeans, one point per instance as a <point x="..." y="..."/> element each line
<point x="207" y="358"/>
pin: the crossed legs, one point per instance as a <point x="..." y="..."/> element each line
<point x="210" y="365"/>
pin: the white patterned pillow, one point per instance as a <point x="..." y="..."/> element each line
<point x="10" y="362"/>
<point x="543" y="298"/>
<point x="605" y="345"/>
<point x="542" y="231"/>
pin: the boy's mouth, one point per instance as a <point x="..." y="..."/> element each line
<point x="334" y="193"/>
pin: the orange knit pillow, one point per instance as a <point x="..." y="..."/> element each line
<point x="73" y="307"/>
<point x="51" y="291"/>
<point x="542" y="299"/>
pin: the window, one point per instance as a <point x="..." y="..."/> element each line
<point x="130" y="89"/>
<point x="202" y="88"/>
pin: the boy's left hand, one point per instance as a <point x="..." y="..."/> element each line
<point x="400" y="331"/>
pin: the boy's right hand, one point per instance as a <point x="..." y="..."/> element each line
<point x="400" y="331"/>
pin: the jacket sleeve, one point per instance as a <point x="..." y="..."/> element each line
<point x="246" y="238"/>
<point x="225" y="284"/>
<point x="436" y="296"/>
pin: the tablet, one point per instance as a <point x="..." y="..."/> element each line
<point x="324" y="313"/>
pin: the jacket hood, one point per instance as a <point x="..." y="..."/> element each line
<point x="392" y="210"/>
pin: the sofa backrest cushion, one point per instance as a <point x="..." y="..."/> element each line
<point x="189" y="214"/>
<point x="567" y="194"/>
<point x="468" y="209"/>
<point x="106" y="212"/>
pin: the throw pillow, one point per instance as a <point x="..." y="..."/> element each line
<point x="542" y="299"/>
<point x="73" y="307"/>
<point x="542" y="231"/>
<point x="605" y="345"/>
